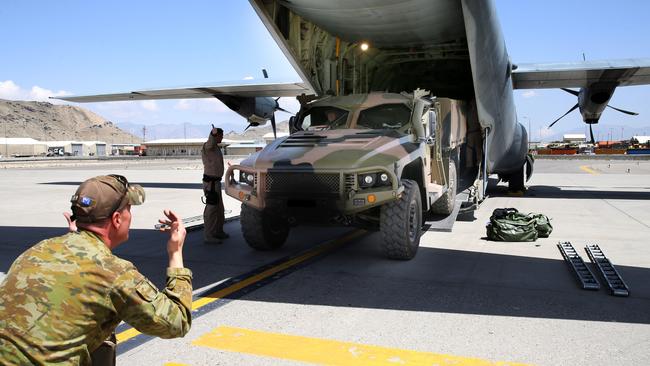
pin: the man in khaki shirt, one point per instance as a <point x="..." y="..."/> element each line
<point x="213" y="213"/>
<point x="63" y="297"/>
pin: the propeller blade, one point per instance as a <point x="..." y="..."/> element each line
<point x="278" y="108"/>
<point x="571" y="91"/>
<point x="570" y="110"/>
<point x="624" y="111"/>
<point x="591" y="132"/>
<point x="275" y="135"/>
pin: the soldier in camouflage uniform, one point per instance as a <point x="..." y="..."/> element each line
<point x="64" y="296"/>
<point x="213" y="214"/>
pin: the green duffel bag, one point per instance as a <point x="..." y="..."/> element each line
<point x="511" y="225"/>
<point x="508" y="224"/>
<point x="542" y="224"/>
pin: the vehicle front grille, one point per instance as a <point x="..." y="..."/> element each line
<point x="303" y="182"/>
<point x="350" y="180"/>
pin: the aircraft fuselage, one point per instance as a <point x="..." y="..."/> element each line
<point x="453" y="48"/>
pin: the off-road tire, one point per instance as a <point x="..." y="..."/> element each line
<point x="516" y="181"/>
<point x="445" y="204"/>
<point x="262" y="230"/>
<point x="401" y="223"/>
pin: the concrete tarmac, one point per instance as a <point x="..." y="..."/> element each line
<point x="462" y="297"/>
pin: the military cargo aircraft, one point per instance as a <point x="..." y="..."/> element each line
<point x="454" y="48"/>
<point x="356" y="50"/>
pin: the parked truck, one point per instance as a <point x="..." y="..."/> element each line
<point x="380" y="161"/>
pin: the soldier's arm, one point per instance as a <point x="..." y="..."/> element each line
<point x="211" y="144"/>
<point x="166" y="313"/>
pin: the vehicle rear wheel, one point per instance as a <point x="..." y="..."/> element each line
<point x="401" y="223"/>
<point x="262" y="230"/>
<point x="445" y="204"/>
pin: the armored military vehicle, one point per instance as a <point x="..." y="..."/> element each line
<point x="381" y="161"/>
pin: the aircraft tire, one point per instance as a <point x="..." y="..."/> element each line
<point x="445" y="204"/>
<point x="262" y="230"/>
<point x="401" y="223"/>
<point x="516" y="181"/>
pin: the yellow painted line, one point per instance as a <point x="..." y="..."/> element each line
<point x="588" y="170"/>
<point x="327" y="352"/>
<point x="175" y="364"/>
<point x="126" y="335"/>
<point x="200" y="302"/>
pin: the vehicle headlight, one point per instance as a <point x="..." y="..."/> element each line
<point x="246" y="178"/>
<point x="369" y="180"/>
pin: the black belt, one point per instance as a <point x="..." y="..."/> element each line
<point x="211" y="178"/>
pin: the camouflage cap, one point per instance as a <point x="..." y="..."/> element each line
<point x="97" y="198"/>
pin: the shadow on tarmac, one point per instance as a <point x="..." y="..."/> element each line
<point x="358" y="276"/>
<point x="144" y="185"/>
<point x="575" y="193"/>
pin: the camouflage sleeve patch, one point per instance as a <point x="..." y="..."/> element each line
<point x="146" y="290"/>
<point x="165" y="314"/>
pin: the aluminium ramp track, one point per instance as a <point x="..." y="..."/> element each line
<point x="580" y="269"/>
<point x="614" y="280"/>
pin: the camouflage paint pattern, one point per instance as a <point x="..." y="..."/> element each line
<point x="345" y="151"/>
<point x="65" y="295"/>
<point x="352" y="150"/>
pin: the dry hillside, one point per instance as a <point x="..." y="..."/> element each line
<point x="256" y="133"/>
<point x="47" y="122"/>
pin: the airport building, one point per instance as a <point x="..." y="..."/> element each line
<point x="192" y="147"/>
<point x="21" y="146"/>
<point x="76" y="148"/>
<point x="574" y="138"/>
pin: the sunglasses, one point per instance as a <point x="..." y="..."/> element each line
<point x="125" y="183"/>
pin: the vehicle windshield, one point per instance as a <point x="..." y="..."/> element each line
<point x="323" y="118"/>
<point x="385" y="116"/>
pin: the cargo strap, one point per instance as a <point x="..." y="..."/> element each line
<point x="584" y="274"/>
<point x="607" y="271"/>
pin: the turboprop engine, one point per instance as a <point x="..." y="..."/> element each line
<point x="592" y="101"/>
<point x="256" y="110"/>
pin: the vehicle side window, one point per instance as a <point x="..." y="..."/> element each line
<point x="323" y="118"/>
<point x="386" y="116"/>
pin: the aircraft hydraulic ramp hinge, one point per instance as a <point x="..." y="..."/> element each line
<point x="584" y="274"/>
<point x="607" y="271"/>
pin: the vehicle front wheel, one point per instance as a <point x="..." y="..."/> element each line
<point x="401" y="223"/>
<point x="263" y="230"/>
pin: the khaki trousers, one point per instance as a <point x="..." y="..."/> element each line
<point x="213" y="215"/>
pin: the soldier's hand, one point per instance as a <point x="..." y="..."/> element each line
<point x="176" y="238"/>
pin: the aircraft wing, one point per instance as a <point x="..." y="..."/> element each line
<point x="241" y="90"/>
<point x="624" y="72"/>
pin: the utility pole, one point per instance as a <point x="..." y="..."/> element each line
<point x="144" y="134"/>
<point x="622" y="129"/>
<point x="6" y="140"/>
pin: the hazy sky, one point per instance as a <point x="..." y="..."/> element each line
<point x="89" y="47"/>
